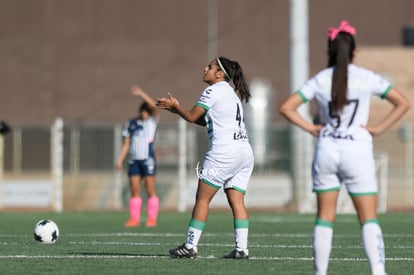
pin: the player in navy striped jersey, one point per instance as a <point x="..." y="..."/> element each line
<point x="344" y="151"/>
<point x="229" y="161"/>
<point x="139" y="136"/>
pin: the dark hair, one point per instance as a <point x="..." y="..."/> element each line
<point x="146" y="108"/>
<point x="4" y="127"/>
<point x="234" y="72"/>
<point x="340" y="54"/>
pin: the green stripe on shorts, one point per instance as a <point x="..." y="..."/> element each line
<point x="327" y="190"/>
<point x="239" y="189"/>
<point x="362" y="194"/>
<point x="211" y="184"/>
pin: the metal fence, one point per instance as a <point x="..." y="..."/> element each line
<point x="89" y="154"/>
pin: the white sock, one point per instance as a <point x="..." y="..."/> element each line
<point x="241" y="238"/>
<point x="373" y="243"/>
<point x="195" y="228"/>
<point x="193" y="236"/>
<point x="241" y="232"/>
<point x="322" y="244"/>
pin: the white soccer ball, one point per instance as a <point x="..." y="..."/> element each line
<point x="46" y="231"/>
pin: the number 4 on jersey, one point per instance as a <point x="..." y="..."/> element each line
<point x="238" y="115"/>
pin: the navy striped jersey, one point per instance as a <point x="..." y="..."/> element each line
<point x="142" y="135"/>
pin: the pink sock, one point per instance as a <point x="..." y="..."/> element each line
<point x="153" y="204"/>
<point x="135" y="208"/>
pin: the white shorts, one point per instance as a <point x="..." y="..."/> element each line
<point x="347" y="162"/>
<point x="227" y="166"/>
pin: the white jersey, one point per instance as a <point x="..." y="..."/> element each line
<point x="229" y="162"/>
<point x="142" y="135"/>
<point x="346" y="125"/>
<point x="224" y="115"/>
<point x="344" y="150"/>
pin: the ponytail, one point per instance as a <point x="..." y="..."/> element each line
<point x="340" y="52"/>
<point x="233" y="72"/>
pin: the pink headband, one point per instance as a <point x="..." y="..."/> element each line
<point x="344" y="27"/>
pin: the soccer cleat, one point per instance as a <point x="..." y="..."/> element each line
<point x="132" y="223"/>
<point x="238" y="254"/>
<point x="151" y="223"/>
<point x="183" y="252"/>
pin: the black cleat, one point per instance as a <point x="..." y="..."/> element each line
<point x="183" y="252"/>
<point x="238" y="254"/>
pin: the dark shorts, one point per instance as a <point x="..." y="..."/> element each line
<point x="143" y="168"/>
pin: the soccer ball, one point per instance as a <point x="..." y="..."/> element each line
<point x="46" y="231"/>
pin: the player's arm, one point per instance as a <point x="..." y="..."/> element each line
<point x="170" y="103"/>
<point x="201" y="121"/>
<point x="123" y="154"/>
<point x="288" y="109"/>
<point x="401" y="106"/>
<point x="138" y="91"/>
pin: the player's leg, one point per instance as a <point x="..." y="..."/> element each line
<point x="153" y="200"/>
<point x="135" y="202"/>
<point x="241" y="163"/>
<point x="372" y="239"/>
<point x="323" y="229"/>
<point x="326" y="184"/>
<point x="363" y="189"/>
<point x="236" y="202"/>
<point x="205" y="193"/>
<point x="241" y="224"/>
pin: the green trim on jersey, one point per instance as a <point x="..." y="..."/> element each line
<point x="304" y="99"/>
<point x="241" y="224"/>
<point x="362" y="194"/>
<point x="323" y="223"/>
<point x="197" y="224"/>
<point x="386" y="92"/>
<point x="327" y="190"/>
<point x="205" y="107"/>
<point x="371" y="221"/>
<point x="211" y="184"/>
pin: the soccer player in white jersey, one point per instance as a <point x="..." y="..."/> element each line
<point x="344" y="150"/>
<point x="139" y="136"/>
<point x="229" y="161"/>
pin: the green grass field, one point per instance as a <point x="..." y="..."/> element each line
<point x="97" y="243"/>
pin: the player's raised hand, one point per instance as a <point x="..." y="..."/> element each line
<point x="137" y="91"/>
<point x="168" y="103"/>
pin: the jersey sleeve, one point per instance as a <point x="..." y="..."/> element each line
<point x="156" y="119"/>
<point x="125" y="132"/>
<point x="206" y="100"/>
<point x="380" y="86"/>
<point x="308" y="90"/>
